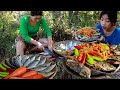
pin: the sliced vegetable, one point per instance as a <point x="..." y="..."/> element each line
<point x="76" y="52"/>
<point x="90" y="59"/>
<point x="78" y="47"/>
<point x="97" y="58"/>
<point x="79" y="58"/>
<point x="83" y="58"/>
<point x="94" y="53"/>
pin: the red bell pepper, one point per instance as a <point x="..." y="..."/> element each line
<point x="94" y="53"/>
<point x="84" y="56"/>
<point x="78" y="47"/>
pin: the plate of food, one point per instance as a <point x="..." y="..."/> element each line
<point x="35" y="63"/>
<point x="87" y="34"/>
<point x="93" y="60"/>
<point x="66" y="47"/>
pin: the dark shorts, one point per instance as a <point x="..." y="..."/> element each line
<point x="28" y="45"/>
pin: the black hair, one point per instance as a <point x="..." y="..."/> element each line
<point x="34" y="13"/>
<point x="112" y="16"/>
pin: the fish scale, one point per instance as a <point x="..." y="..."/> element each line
<point x="18" y="60"/>
<point x="40" y="68"/>
<point x="47" y="64"/>
<point x="49" y="68"/>
<point x="41" y="62"/>
<point x="12" y="61"/>
<point x="32" y="65"/>
<point x="32" y="58"/>
<point x="24" y="58"/>
<point x="38" y="58"/>
<point x="27" y="62"/>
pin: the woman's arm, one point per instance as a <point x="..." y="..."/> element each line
<point x="50" y="42"/>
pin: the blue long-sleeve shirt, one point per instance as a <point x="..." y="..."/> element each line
<point x="113" y="39"/>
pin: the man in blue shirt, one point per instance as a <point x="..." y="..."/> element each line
<point x="110" y="34"/>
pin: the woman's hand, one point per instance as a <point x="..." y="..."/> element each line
<point x="40" y="46"/>
<point x="50" y="42"/>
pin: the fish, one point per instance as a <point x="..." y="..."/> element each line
<point x="28" y="61"/>
<point x="116" y="69"/>
<point x="40" y="68"/>
<point x="32" y="65"/>
<point x="102" y="77"/>
<point x="42" y="61"/>
<point x="32" y="58"/>
<point x="18" y="60"/>
<point x="38" y="58"/>
<point x="47" y="74"/>
<point x="24" y="58"/>
<point x="47" y="64"/>
<point x="112" y="61"/>
<point x="79" y="68"/>
<point x="115" y="57"/>
<point x="12" y="62"/>
<point x="8" y="63"/>
<point x="49" y="68"/>
<point x="103" y="66"/>
<point x="49" y="52"/>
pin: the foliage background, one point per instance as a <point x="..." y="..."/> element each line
<point x="60" y="23"/>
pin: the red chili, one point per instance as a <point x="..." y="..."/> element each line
<point x="89" y="34"/>
<point x="79" y="58"/>
<point x="78" y="47"/>
<point x="94" y="53"/>
<point x="83" y="58"/>
<point x="10" y="69"/>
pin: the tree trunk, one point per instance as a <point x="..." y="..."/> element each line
<point x="70" y="18"/>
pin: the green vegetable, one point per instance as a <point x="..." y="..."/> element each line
<point x="4" y="74"/>
<point x="3" y="68"/>
<point x="106" y="47"/>
<point x="76" y="52"/>
<point x="97" y="58"/>
<point x="90" y="59"/>
<point x="5" y="65"/>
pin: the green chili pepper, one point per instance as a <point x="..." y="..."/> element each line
<point x="5" y="73"/>
<point x="76" y="52"/>
<point x="106" y="47"/>
<point x="97" y="58"/>
<point x="90" y="59"/>
<point x="3" y="68"/>
<point x="5" y="65"/>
